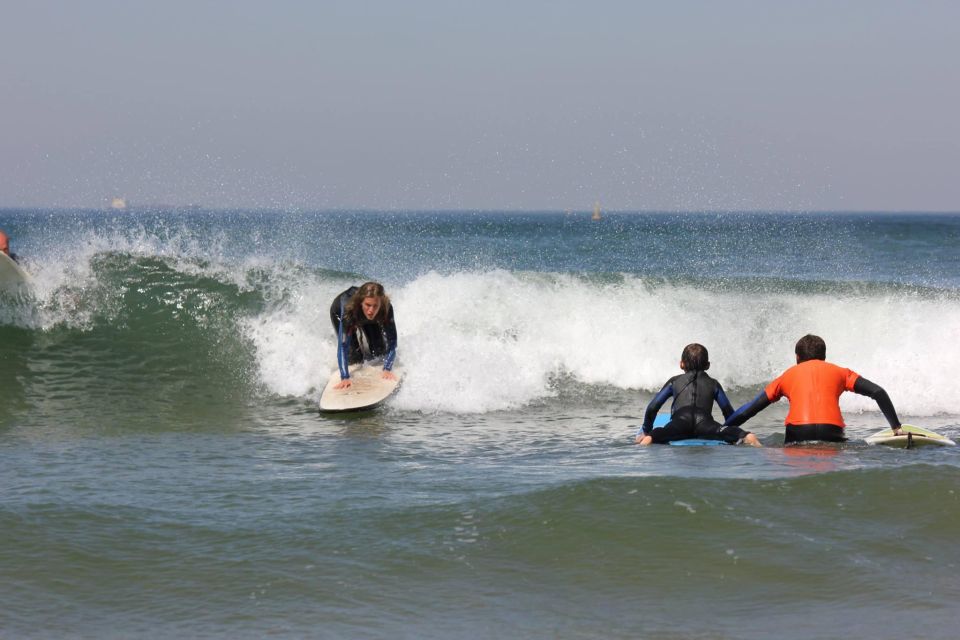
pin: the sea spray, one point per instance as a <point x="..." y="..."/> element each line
<point x="489" y="341"/>
<point x="493" y="310"/>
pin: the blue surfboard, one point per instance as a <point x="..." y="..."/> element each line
<point x="696" y="442"/>
<point x="664" y="418"/>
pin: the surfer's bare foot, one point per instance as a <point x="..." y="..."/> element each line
<point x="751" y="440"/>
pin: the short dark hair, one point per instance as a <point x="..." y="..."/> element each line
<point x="811" y="347"/>
<point x="694" y="358"/>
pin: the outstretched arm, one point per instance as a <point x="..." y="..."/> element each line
<point x="653" y="408"/>
<point x="723" y="401"/>
<point x="343" y="361"/>
<point x="748" y="410"/>
<point x="390" y="333"/>
<point x="872" y="390"/>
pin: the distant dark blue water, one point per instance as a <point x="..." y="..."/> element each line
<point x="165" y="471"/>
<point x="916" y="249"/>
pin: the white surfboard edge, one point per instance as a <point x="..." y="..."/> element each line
<point x="13" y="279"/>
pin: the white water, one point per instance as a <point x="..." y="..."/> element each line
<point x="480" y="342"/>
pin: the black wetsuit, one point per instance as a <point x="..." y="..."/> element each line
<point x="359" y="339"/>
<point x="694" y="393"/>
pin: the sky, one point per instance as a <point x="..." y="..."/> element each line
<point x="514" y="105"/>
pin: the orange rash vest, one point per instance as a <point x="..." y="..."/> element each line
<point x="813" y="388"/>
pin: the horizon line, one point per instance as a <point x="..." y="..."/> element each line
<point x="266" y="209"/>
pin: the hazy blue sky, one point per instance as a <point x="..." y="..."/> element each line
<point x="486" y="104"/>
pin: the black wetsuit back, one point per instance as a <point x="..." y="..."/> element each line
<point x="694" y="390"/>
<point x="694" y="393"/>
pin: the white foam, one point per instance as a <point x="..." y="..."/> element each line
<point x="65" y="286"/>
<point x="485" y="341"/>
<point x="495" y="340"/>
<point x="295" y="343"/>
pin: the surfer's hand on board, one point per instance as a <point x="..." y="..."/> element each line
<point x="343" y="384"/>
<point x="388" y="375"/>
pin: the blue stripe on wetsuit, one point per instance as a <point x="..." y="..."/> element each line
<point x="389" y="332"/>
<point x="342" y="360"/>
<point x="723" y="401"/>
<point x="391" y="354"/>
<point x="653" y="408"/>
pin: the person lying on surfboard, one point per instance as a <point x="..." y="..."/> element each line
<point x="813" y="386"/>
<point x="694" y="393"/>
<point x="5" y="246"/>
<point x="363" y="319"/>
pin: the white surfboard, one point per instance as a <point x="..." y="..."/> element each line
<point x="913" y="436"/>
<point x="368" y="390"/>
<point x="13" y="279"/>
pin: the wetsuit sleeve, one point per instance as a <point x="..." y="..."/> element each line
<point x="748" y="410"/>
<point x="723" y="401"/>
<point x="390" y="333"/>
<point x="343" y="337"/>
<point x="336" y="310"/>
<point x="864" y="387"/>
<point x="654" y="407"/>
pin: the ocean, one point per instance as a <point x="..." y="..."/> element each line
<point x="165" y="471"/>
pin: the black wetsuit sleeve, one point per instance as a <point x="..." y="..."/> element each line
<point x="723" y="401"/>
<point x="338" y="305"/>
<point x="390" y="333"/>
<point x="872" y="390"/>
<point x="335" y="314"/>
<point x="654" y="407"/>
<point x="748" y="410"/>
